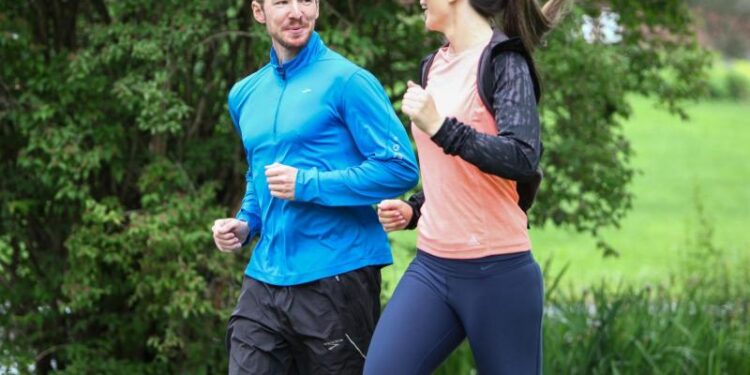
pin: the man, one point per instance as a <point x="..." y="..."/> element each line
<point x="323" y="145"/>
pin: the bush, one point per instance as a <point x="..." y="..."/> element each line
<point x="738" y="85"/>
<point x="730" y="81"/>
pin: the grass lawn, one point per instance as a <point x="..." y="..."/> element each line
<point x="706" y="157"/>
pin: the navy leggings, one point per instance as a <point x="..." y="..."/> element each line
<point x="496" y="302"/>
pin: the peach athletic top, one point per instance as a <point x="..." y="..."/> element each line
<point x="467" y="213"/>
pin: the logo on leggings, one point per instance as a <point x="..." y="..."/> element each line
<point x="333" y="344"/>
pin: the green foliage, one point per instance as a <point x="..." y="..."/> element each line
<point x="698" y="323"/>
<point x="117" y="154"/>
<point x="730" y="80"/>
<point x="110" y="185"/>
<point x="587" y="157"/>
<point x="738" y="86"/>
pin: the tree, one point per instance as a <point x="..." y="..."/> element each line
<point x="117" y="154"/>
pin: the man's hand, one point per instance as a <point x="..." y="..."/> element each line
<point x="281" y="180"/>
<point x="229" y="234"/>
<point x="394" y="214"/>
<point x="420" y="107"/>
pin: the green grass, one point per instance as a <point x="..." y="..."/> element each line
<point x="706" y="157"/>
<point x="742" y="66"/>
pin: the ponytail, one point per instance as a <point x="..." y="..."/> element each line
<point x="524" y="18"/>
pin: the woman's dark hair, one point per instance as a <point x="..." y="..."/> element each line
<point x="523" y="18"/>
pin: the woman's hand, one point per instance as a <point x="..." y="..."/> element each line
<point x="420" y="107"/>
<point x="394" y="214"/>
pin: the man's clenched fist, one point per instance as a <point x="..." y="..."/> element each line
<point x="229" y="234"/>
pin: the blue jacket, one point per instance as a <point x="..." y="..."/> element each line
<point x="332" y="120"/>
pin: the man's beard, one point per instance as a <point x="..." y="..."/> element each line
<point x="283" y="43"/>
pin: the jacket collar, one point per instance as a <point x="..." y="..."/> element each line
<point x="307" y="55"/>
<point x="497" y="37"/>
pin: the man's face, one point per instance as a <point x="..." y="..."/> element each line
<point x="289" y="22"/>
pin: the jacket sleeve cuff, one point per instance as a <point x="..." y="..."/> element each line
<point x="250" y="234"/>
<point x="443" y="135"/>
<point x="306" y="186"/>
<point x="415" y="214"/>
<point x="252" y="224"/>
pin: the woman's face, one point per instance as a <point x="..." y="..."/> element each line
<point x="436" y="13"/>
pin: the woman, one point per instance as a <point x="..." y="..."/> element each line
<point x="474" y="276"/>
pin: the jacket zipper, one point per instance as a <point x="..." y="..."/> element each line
<point x="282" y="72"/>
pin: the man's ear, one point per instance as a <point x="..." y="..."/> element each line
<point x="258" y="12"/>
